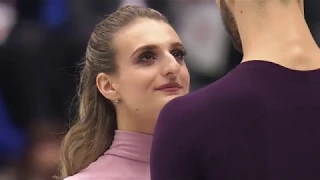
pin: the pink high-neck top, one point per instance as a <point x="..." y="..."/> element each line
<point x="127" y="159"/>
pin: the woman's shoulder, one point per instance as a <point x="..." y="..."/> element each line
<point x="101" y="168"/>
<point x="111" y="168"/>
<point x="75" y="177"/>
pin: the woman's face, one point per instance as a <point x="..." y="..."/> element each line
<point x="151" y="68"/>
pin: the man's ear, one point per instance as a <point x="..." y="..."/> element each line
<point x="106" y="87"/>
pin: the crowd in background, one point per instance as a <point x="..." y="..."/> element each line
<point x="41" y="42"/>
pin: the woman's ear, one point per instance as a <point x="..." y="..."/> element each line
<point x="106" y="86"/>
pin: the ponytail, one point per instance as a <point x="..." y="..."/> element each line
<point x="93" y="131"/>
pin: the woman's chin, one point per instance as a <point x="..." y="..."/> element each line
<point x="167" y="99"/>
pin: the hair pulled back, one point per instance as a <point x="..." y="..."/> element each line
<point x="95" y="124"/>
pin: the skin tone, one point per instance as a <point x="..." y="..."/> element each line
<point x="149" y="55"/>
<point x="275" y="31"/>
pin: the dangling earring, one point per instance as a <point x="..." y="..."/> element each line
<point x="116" y="101"/>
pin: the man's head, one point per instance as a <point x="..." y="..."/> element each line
<point x="227" y="8"/>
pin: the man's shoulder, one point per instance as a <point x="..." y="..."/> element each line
<point x="222" y="95"/>
<point x="219" y="91"/>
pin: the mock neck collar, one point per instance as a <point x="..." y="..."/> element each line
<point x="131" y="145"/>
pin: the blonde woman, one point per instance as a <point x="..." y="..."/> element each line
<point x="134" y="65"/>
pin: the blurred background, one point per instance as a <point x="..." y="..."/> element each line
<point x="42" y="40"/>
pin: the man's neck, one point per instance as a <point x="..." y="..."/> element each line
<point x="281" y="36"/>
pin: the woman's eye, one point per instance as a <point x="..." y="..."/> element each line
<point x="179" y="54"/>
<point x="145" y="57"/>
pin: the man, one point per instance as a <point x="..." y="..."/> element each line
<point x="259" y="122"/>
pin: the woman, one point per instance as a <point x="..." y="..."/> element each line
<point x="134" y="65"/>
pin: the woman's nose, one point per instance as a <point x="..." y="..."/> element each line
<point x="171" y="66"/>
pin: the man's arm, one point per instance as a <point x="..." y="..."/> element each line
<point x="172" y="155"/>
